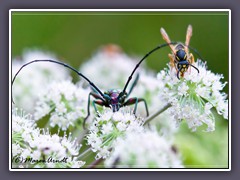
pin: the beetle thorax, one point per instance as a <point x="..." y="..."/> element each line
<point x="114" y="100"/>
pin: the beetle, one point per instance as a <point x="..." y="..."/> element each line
<point x="112" y="98"/>
<point x="180" y="59"/>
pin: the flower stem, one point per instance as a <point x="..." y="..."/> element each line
<point x="80" y="135"/>
<point x="149" y="118"/>
<point x="84" y="153"/>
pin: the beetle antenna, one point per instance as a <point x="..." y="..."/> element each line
<point x="63" y="64"/>
<point x="150" y="52"/>
<point x="193" y="49"/>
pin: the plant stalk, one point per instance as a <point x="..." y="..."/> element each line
<point x="149" y="118"/>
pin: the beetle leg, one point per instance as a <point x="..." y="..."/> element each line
<point x="145" y="104"/>
<point x="98" y="102"/>
<point x="133" y="85"/>
<point x="135" y="101"/>
<point x="88" y="105"/>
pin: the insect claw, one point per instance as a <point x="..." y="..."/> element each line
<point x="134" y="113"/>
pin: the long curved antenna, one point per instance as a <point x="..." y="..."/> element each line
<point x="194" y="67"/>
<point x="130" y="77"/>
<point x="63" y="64"/>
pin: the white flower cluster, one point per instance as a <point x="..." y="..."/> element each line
<point x="193" y="96"/>
<point x="165" y="124"/>
<point x="32" y="80"/>
<point x="65" y="102"/>
<point x="120" y="139"/>
<point x="32" y="146"/>
<point x="143" y="150"/>
<point x="22" y="122"/>
<point x="110" y="126"/>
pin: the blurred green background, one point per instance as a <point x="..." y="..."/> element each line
<point x="75" y="36"/>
